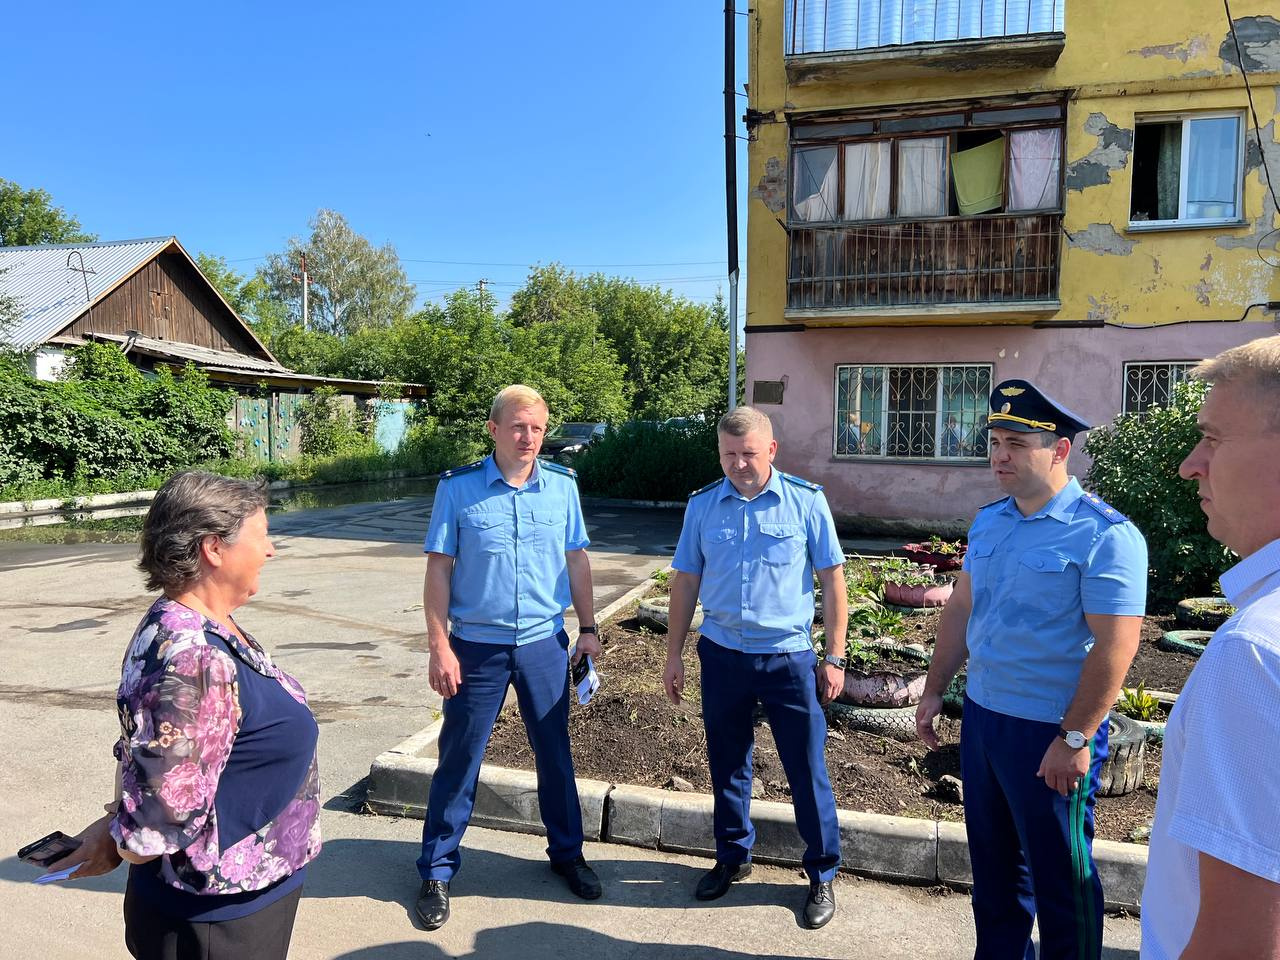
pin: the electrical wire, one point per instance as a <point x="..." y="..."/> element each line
<point x="1257" y="132"/>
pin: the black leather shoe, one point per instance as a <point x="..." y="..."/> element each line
<point x="715" y="882"/>
<point x="432" y="907"/>
<point x="581" y="878"/>
<point x="820" y="905"/>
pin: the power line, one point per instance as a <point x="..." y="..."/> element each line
<point x="526" y="264"/>
<point x="1257" y="132"/>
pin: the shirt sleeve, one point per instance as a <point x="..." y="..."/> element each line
<point x="575" y="531"/>
<point x="688" y="558"/>
<point x="820" y="528"/>
<point x="1114" y="581"/>
<point x="442" y="531"/>
<point x="184" y="728"/>
<point x="1227" y="793"/>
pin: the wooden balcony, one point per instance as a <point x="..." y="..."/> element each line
<point x="1006" y="260"/>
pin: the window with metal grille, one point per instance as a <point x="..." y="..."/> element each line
<point x="921" y="411"/>
<point x="1151" y="384"/>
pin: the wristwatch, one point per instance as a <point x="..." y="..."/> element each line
<point x="590" y="629"/>
<point x="835" y="661"/>
<point x="1075" y="739"/>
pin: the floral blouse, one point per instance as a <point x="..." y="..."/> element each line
<point x="179" y="716"/>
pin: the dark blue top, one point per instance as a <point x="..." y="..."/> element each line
<point x="269" y="761"/>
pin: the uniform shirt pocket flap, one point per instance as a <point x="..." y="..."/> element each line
<point x="781" y="530"/>
<point x="1044" y="561"/>
<point x="549" y="517"/>
<point x="481" y="521"/>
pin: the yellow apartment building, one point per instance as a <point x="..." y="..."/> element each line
<point x="948" y="193"/>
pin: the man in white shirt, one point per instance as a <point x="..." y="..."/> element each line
<point x="1213" y="874"/>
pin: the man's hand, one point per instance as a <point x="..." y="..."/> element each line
<point x="830" y="682"/>
<point x="673" y="679"/>
<point x="587" y="645"/>
<point x="96" y="854"/>
<point x="1063" y="769"/>
<point x="444" y="671"/>
<point x="927" y="709"/>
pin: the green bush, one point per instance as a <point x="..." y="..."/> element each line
<point x="328" y="427"/>
<point x="430" y="447"/>
<point x="1135" y="469"/>
<point x="639" y="461"/>
<point x="105" y="423"/>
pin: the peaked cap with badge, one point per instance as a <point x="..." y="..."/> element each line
<point x="1021" y="406"/>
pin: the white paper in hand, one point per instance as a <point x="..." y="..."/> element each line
<point x="589" y="684"/>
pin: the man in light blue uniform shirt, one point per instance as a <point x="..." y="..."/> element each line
<point x="1048" y="609"/>
<point x="750" y="545"/>
<point x="506" y="555"/>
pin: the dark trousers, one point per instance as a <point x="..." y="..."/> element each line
<point x="1031" y="848"/>
<point x="264" y="935"/>
<point x="784" y="683"/>
<point x="540" y="672"/>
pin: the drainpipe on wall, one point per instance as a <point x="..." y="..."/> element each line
<point x="731" y="194"/>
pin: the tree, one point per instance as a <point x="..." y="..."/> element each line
<point x="251" y="297"/>
<point x="28" y="217"/>
<point x="10" y="313"/>
<point x="1135" y="469"/>
<point x="353" y="283"/>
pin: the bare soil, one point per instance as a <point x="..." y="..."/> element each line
<point x="631" y="733"/>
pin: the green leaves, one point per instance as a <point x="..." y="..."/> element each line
<point x="1135" y="469"/>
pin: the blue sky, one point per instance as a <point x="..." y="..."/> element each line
<point x="493" y="135"/>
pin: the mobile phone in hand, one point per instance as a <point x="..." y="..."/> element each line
<point x="579" y="671"/>
<point x="48" y="849"/>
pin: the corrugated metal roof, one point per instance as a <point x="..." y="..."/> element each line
<point x="201" y="356"/>
<point x="51" y="295"/>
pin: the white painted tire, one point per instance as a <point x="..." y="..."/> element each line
<point x="656" y="612"/>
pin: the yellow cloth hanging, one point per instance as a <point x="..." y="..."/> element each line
<point x="979" y="177"/>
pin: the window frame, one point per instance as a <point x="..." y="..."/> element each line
<point x="1149" y="364"/>
<point x="884" y="413"/>
<point x="1185" y="117"/>
<point x="811" y="137"/>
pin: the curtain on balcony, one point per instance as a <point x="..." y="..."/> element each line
<point x="866" y="180"/>
<point x="922" y="177"/>
<point x="1035" y="157"/>
<point x="814" y="26"/>
<point x="816" y="184"/>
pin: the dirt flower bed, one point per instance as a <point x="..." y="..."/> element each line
<point x="631" y="733"/>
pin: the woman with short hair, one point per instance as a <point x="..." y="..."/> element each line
<point x="218" y="796"/>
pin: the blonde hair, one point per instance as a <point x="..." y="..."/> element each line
<point x="1255" y="365"/>
<point x="740" y="421"/>
<point x="517" y="395"/>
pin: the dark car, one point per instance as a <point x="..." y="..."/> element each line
<point x="566" y="441"/>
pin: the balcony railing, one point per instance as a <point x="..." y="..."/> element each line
<point x="829" y="26"/>
<point x="972" y="260"/>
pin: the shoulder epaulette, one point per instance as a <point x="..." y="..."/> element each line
<point x="800" y="481"/>
<point x="710" y="486"/>
<point x="1107" y="511"/>
<point x="558" y="468"/>
<point x="454" y="471"/>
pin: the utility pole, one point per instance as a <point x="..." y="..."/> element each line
<point x="481" y="284"/>
<point x="731" y="192"/>
<point x="305" y="280"/>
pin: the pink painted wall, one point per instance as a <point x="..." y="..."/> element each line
<point x="1082" y="368"/>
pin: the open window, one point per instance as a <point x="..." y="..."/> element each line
<point x="1187" y="170"/>
<point x="960" y="164"/>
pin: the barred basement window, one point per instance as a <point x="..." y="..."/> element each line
<point x="928" y="412"/>
<point x="1151" y="384"/>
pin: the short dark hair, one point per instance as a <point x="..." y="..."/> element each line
<point x="190" y="506"/>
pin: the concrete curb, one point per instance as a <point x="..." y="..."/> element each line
<point x="99" y="501"/>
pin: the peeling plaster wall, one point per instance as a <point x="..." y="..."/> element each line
<point x="1083" y="368"/>
<point x="1137" y="66"/>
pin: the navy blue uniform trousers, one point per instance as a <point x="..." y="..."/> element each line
<point x="540" y="672"/>
<point x="784" y="683"/>
<point x="1031" y="848"/>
